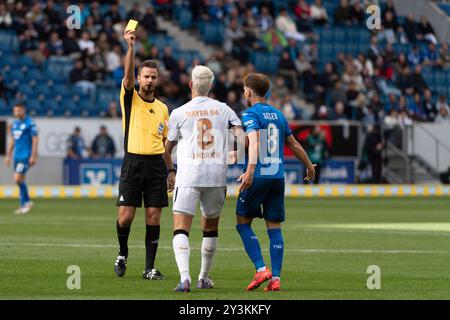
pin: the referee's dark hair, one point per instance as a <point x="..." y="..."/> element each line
<point x="153" y="64"/>
<point x="258" y="83"/>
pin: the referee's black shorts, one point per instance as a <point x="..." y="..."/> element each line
<point x="143" y="177"/>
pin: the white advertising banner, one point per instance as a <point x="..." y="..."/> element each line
<point x="53" y="133"/>
<point x="431" y="141"/>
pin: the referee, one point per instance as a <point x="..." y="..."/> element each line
<point x="147" y="170"/>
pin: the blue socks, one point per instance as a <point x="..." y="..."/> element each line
<point x="253" y="248"/>
<point x="276" y="250"/>
<point x="251" y="244"/>
<point x="24" y="197"/>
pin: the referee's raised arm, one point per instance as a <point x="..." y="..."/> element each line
<point x="128" y="79"/>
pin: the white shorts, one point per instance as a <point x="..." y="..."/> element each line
<point x="212" y="199"/>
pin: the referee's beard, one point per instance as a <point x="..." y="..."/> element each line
<point x="148" y="91"/>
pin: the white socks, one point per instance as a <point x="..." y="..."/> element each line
<point x="182" y="252"/>
<point x="209" y="246"/>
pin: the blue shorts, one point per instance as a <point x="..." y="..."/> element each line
<point x="21" y="166"/>
<point x="264" y="199"/>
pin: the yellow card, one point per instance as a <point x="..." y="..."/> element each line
<point x="132" y="24"/>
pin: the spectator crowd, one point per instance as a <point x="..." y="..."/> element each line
<point x="101" y="147"/>
<point x="381" y="86"/>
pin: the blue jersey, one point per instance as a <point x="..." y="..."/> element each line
<point x="273" y="130"/>
<point x="22" y="132"/>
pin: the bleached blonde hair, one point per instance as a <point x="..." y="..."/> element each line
<point x="202" y="80"/>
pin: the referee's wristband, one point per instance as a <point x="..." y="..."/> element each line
<point x="171" y="170"/>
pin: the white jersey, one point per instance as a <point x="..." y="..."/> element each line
<point x="201" y="129"/>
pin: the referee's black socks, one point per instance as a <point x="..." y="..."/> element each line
<point x="151" y="246"/>
<point x="122" y="235"/>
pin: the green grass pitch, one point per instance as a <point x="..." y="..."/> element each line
<point x="329" y="245"/>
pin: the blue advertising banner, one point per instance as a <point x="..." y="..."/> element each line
<point x="338" y="171"/>
<point x="104" y="172"/>
<point x="91" y="172"/>
<point x="333" y="171"/>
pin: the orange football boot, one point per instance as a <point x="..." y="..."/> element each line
<point x="259" y="278"/>
<point x="274" y="285"/>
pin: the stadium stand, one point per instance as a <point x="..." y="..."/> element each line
<point x="445" y="6"/>
<point x="38" y="66"/>
<point x="323" y="60"/>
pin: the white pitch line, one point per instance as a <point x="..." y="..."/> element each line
<point x="312" y="250"/>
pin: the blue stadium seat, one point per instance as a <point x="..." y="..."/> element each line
<point x="45" y="90"/>
<point x="440" y="77"/>
<point x="9" y="40"/>
<point x="35" y="105"/>
<point x="265" y="62"/>
<point x="339" y="35"/>
<point x="441" y="90"/>
<point x="352" y="48"/>
<point x="86" y="104"/>
<point x="187" y="55"/>
<point x="65" y="70"/>
<point x="8" y="59"/>
<point x="89" y="108"/>
<point x="77" y="91"/>
<point x="213" y="33"/>
<point x="30" y="96"/>
<point x="69" y="105"/>
<point x="402" y="47"/>
<point x="364" y="36"/>
<point x="353" y="35"/>
<point x="185" y="19"/>
<point x="70" y="108"/>
<point x="13" y="102"/>
<point x="24" y="60"/>
<point x="61" y="97"/>
<point x="35" y="74"/>
<point x="5" y="48"/>
<point x="27" y="90"/>
<point x="50" y="104"/>
<point x="326" y="35"/>
<point x="162" y="41"/>
<point x="15" y="44"/>
<point x="61" y="89"/>
<point x="3" y="106"/>
<point x="159" y="7"/>
<point x="53" y="75"/>
<point x="445" y="7"/>
<point x="428" y="77"/>
<point x="325" y="50"/>
<point x="339" y="47"/>
<point x="15" y="74"/>
<point x="363" y="47"/>
<point x="200" y="25"/>
<point x="106" y="95"/>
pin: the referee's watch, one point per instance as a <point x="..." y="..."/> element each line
<point x="172" y="170"/>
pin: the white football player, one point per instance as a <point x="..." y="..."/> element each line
<point x="199" y="129"/>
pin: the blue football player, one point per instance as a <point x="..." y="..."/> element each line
<point x="261" y="194"/>
<point x="24" y="142"/>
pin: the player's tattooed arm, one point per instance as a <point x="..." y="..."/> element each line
<point x="301" y="155"/>
<point x="170" y="145"/>
<point x="238" y="152"/>
<point x="10" y="148"/>
<point x="128" y="79"/>
<point x="253" y="150"/>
